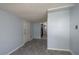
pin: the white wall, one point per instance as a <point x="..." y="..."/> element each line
<point x="58" y="29"/>
<point x="36" y="30"/>
<point x="74" y="34"/>
<point x="11" y="32"/>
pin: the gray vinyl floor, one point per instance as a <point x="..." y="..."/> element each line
<point x="38" y="47"/>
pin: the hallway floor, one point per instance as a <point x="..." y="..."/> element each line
<point x="38" y="47"/>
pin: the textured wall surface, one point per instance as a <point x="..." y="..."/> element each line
<point x="58" y="29"/>
<point x="11" y="32"/>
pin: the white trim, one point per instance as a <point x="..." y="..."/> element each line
<point x="62" y="50"/>
<point x="15" y="49"/>
<point x="59" y="49"/>
<point x="61" y="7"/>
<point x="72" y="52"/>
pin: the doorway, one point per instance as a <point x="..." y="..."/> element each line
<point x="44" y="30"/>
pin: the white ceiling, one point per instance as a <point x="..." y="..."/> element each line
<point x="30" y="11"/>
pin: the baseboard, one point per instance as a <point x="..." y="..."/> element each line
<point x="72" y="52"/>
<point x="58" y="49"/>
<point x="15" y="49"/>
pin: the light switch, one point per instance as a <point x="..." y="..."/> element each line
<point x="76" y="26"/>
